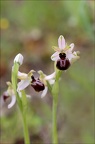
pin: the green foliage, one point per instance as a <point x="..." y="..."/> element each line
<point x="80" y="11"/>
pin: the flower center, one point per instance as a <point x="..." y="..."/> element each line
<point x="62" y="55"/>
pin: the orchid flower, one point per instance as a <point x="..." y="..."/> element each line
<point x="63" y="48"/>
<point x="28" y="79"/>
<point x="46" y="79"/>
<point x="9" y="93"/>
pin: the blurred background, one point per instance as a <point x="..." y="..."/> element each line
<point x="32" y="28"/>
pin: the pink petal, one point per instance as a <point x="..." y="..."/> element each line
<point x="71" y="46"/>
<point x="72" y="56"/>
<point x="55" y="56"/>
<point x="61" y="42"/>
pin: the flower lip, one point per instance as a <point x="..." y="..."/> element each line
<point x="5" y="96"/>
<point x="37" y="84"/>
<point x="62" y="55"/>
<point x="63" y="64"/>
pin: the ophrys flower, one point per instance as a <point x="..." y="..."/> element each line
<point x="64" y="55"/>
<point x="29" y="79"/>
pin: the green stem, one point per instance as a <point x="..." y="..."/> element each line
<point x="55" y="91"/>
<point x="22" y="103"/>
<point x="26" y="133"/>
<point x="54" y="110"/>
<point x="24" y="112"/>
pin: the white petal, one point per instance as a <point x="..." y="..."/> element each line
<point x="55" y="56"/>
<point x="12" y="101"/>
<point x="50" y="76"/>
<point x="23" y="84"/>
<point x="61" y="42"/>
<point x="72" y="56"/>
<point x="44" y="92"/>
<point x="22" y="75"/>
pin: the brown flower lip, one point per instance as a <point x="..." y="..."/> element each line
<point x="5" y="97"/>
<point x="37" y="84"/>
<point x="63" y="63"/>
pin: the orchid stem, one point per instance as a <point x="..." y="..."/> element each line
<point x="26" y="133"/>
<point x="54" y="110"/>
<point x="55" y="92"/>
<point x="24" y="112"/>
<point x="22" y="103"/>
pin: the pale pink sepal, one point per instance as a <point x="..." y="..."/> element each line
<point x="55" y="56"/>
<point x="61" y="42"/>
<point x="23" y="84"/>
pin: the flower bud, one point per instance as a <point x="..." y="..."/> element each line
<point x="18" y="59"/>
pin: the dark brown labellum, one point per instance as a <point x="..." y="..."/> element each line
<point x="5" y="97"/>
<point x="37" y="84"/>
<point x="63" y="64"/>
